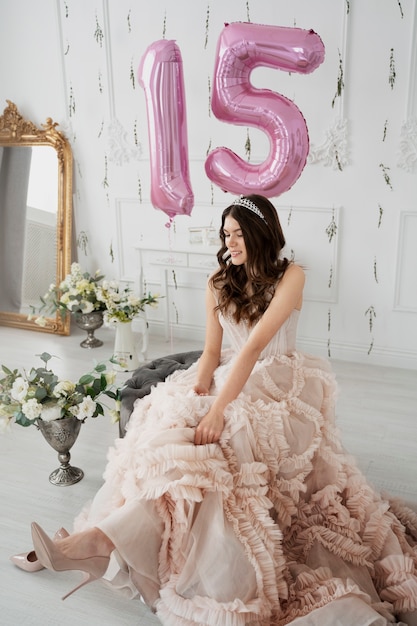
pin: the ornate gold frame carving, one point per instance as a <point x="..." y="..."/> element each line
<point x="17" y="131"/>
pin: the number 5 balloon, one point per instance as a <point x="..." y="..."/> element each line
<point x="160" y="73"/>
<point x="242" y="47"/>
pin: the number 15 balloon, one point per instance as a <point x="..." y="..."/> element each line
<point x="241" y="47"/>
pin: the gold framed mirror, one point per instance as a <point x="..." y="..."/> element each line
<point x="35" y="217"/>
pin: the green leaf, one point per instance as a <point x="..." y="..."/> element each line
<point x="23" y="420"/>
<point x="86" y="379"/>
<point x="40" y="393"/>
<point x="111" y="394"/>
<point x="96" y="386"/>
<point x="45" y="357"/>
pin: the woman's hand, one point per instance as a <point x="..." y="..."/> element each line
<point x="210" y="428"/>
<point x="201" y="390"/>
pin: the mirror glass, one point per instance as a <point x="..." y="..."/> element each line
<point x="35" y="217"/>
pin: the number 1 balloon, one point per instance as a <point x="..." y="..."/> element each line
<point x="242" y="47"/>
<point x="160" y="73"/>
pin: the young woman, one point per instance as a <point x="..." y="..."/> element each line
<point x="230" y="501"/>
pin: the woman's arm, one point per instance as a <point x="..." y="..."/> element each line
<point x="210" y="358"/>
<point x="287" y="297"/>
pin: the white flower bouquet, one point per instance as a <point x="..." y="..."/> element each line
<point x="77" y="293"/>
<point x="120" y="304"/>
<point x="26" y="397"/>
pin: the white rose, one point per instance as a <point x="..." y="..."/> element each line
<point x="110" y="377"/>
<point x="32" y="409"/>
<point x="64" y="388"/>
<point x="19" y="389"/>
<point x="85" y="409"/>
<point x="88" y="307"/>
<point x="50" y="412"/>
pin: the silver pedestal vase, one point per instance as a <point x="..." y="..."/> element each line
<point x="90" y="322"/>
<point x="61" y="435"/>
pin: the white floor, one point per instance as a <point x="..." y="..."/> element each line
<point x="377" y="415"/>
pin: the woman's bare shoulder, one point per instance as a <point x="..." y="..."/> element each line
<point x="294" y="271"/>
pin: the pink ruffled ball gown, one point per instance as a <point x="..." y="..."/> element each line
<point x="273" y="525"/>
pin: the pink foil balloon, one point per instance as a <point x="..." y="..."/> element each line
<point x="160" y="73"/>
<point x="242" y="47"/>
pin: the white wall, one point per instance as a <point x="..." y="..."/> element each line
<point x="55" y="66"/>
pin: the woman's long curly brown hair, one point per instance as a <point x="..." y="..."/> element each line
<point x="245" y="291"/>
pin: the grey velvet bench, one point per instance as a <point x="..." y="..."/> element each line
<point x="149" y="375"/>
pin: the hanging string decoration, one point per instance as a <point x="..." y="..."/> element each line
<point x="177" y="317"/>
<point x="82" y="241"/>
<point x="207" y="26"/>
<point x="111" y="252"/>
<point x="98" y="33"/>
<point x="247" y="11"/>
<point x="331" y="230"/>
<point x="248" y="145"/>
<point x="347" y="7"/>
<point x="71" y="104"/>
<point x="340" y="82"/>
<point x="385" y="172"/>
<point x="381" y="213"/>
<point x="105" y="179"/>
<point x="174" y="278"/>
<point x="132" y="75"/>
<point x="384" y="134"/>
<point x="129" y="25"/>
<point x="100" y="84"/>
<point x="329" y="284"/>
<point x="329" y="324"/>
<point x="392" y="73"/>
<point x="140" y="189"/>
<point x="164" y="26"/>
<point x="375" y="271"/>
<point x="371" y="314"/>
<point x="401" y="9"/>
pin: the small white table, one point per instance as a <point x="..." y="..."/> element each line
<point x="193" y="259"/>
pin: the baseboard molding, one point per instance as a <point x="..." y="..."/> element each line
<point x="358" y="353"/>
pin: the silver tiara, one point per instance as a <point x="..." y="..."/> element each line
<point x="248" y="204"/>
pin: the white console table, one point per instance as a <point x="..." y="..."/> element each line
<point x="192" y="259"/>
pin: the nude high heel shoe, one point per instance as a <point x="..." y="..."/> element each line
<point x="28" y="561"/>
<point x="52" y="558"/>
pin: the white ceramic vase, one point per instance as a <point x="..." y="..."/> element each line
<point x="125" y="348"/>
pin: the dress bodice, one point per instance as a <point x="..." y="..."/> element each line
<point x="283" y="342"/>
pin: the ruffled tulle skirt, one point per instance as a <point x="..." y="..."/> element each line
<point x="275" y="524"/>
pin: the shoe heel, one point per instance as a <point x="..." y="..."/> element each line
<point x="87" y="578"/>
